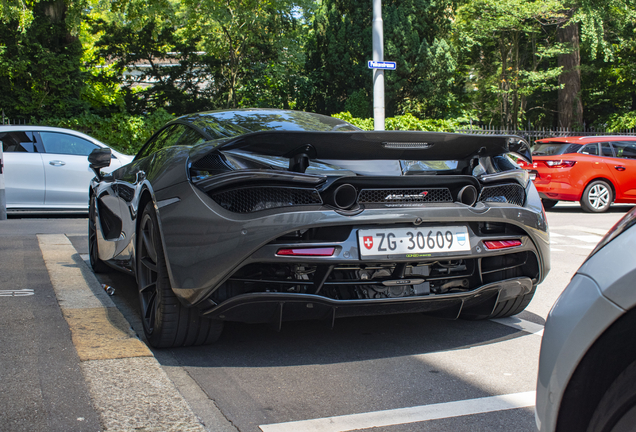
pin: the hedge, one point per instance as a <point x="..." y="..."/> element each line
<point x="124" y="132"/>
<point x="403" y="122"/>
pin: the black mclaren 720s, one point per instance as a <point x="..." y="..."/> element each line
<point x="263" y="215"/>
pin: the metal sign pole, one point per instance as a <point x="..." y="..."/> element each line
<point x="3" y="199"/>
<point x="378" y="74"/>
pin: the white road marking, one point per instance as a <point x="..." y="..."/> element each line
<point x="553" y="234"/>
<point x="556" y="250"/>
<point x="407" y="415"/>
<point x="587" y="238"/>
<point x="519" y="324"/>
<point x="17" y="293"/>
<point x="578" y="228"/>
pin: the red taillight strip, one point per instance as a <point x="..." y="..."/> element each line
<point x="501" y="244"/>
<point x="560" y="163"/>
<point x="307" y="251"/>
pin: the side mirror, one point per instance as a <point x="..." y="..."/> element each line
<point x="99" y="158"/>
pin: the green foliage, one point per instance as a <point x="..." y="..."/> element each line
<point x="358" y="103"/>
<point x="124" y="132"/>
<point x="492" y="61"/>
<point x="414" y="37"/>
<point x="247" y="39"/>
<point x="609" y="85"/>
<point x="403" y="122"/>
<point x="40" y="66"/>
<point x="621" y="122"/>
<point x="509" y="56"/>
<point x="362" y="123"/>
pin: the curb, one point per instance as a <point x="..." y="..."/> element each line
<point x="128" y="388"/>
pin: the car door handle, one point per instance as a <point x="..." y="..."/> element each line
<point x="619" y="168"/>
<point x="57" y="163"/>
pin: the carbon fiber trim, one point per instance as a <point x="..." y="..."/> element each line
<point x="505" y="193"/>
<point x="249" y="200"/>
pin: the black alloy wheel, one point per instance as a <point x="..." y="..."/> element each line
<point x="97" y="265"/>
<point x="167" y="323"/>
<point x="597" y="197"/>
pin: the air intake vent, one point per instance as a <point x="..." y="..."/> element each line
<point x="505" y="193"/>
<point x="211" y="162"/>
<point x="249" y="200"/>
<point x="405" y="196"/>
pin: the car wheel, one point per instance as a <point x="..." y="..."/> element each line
<point x="513" y="306"/>
<point x="167" y="323"/>
<point x="548" y="203"/>
<point x="616" y="412"/>
<point x="597" y="197"/>
<point x="97" y="265"/>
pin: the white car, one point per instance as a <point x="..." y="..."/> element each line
<point x="587" y="367"/>
<point x="46" y="168"/>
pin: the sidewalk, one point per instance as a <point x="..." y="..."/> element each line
<point x="69" y="360"/>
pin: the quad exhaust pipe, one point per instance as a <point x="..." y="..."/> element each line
<point x="345" y="196"/>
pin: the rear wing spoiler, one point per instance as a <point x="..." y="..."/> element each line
<point x="363" y="145"/>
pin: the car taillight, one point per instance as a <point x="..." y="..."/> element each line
<point x="560" y="163"/>
<point x="328" y="251"/>
<point x="501" y="244"/>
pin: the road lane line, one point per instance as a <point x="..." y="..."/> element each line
<point x="407" y="415"/>
<point x="520" y="324"/>
<point x="587" y="238"/>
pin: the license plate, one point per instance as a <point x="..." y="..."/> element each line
<point x="413" y="242"/>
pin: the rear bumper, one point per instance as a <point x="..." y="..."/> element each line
<point x="278" y="307"/>
<point x="556" y="184"/>
<point x="206" y="245"/>
<point x="557" y="190"/>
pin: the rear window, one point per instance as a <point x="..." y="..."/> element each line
<point x="553" y="148"/>
<point x="225" y="124"/>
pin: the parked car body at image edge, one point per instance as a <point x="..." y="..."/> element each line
<point x="269" y="215"/>
<point x="587" y="366"/>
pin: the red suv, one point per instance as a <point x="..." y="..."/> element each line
<point x="593" y="170"/>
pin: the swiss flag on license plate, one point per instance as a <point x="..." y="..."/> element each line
<point x="368" y="242"/>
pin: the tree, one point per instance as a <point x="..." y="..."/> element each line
<point x="40" y="59"/>
<point x="414" y="36"/>
<point x="509" y="56"/>
<point x="246" y="38"/>
<point x="609" y="83"/>
<point x="585" y="25"/>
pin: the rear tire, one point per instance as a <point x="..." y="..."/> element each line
<point x="97" y="265"/>
<point x="548" y="203"/>
<point x="167" y="323"/>
<point x="616" y="412"/>
<point x="597" y="197"/>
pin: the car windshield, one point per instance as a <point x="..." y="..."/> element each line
<point x="554" y="148"/>
<point x="225" y="124"/>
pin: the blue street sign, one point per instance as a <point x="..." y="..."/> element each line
<point x="381" y="65"/>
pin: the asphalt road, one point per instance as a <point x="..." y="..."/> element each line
<point x="375" y="366"/>
<point x="391" y="373"/>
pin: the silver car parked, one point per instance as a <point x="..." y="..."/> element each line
<point x="587" y="367"/>
<point x="46" y="168"/>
